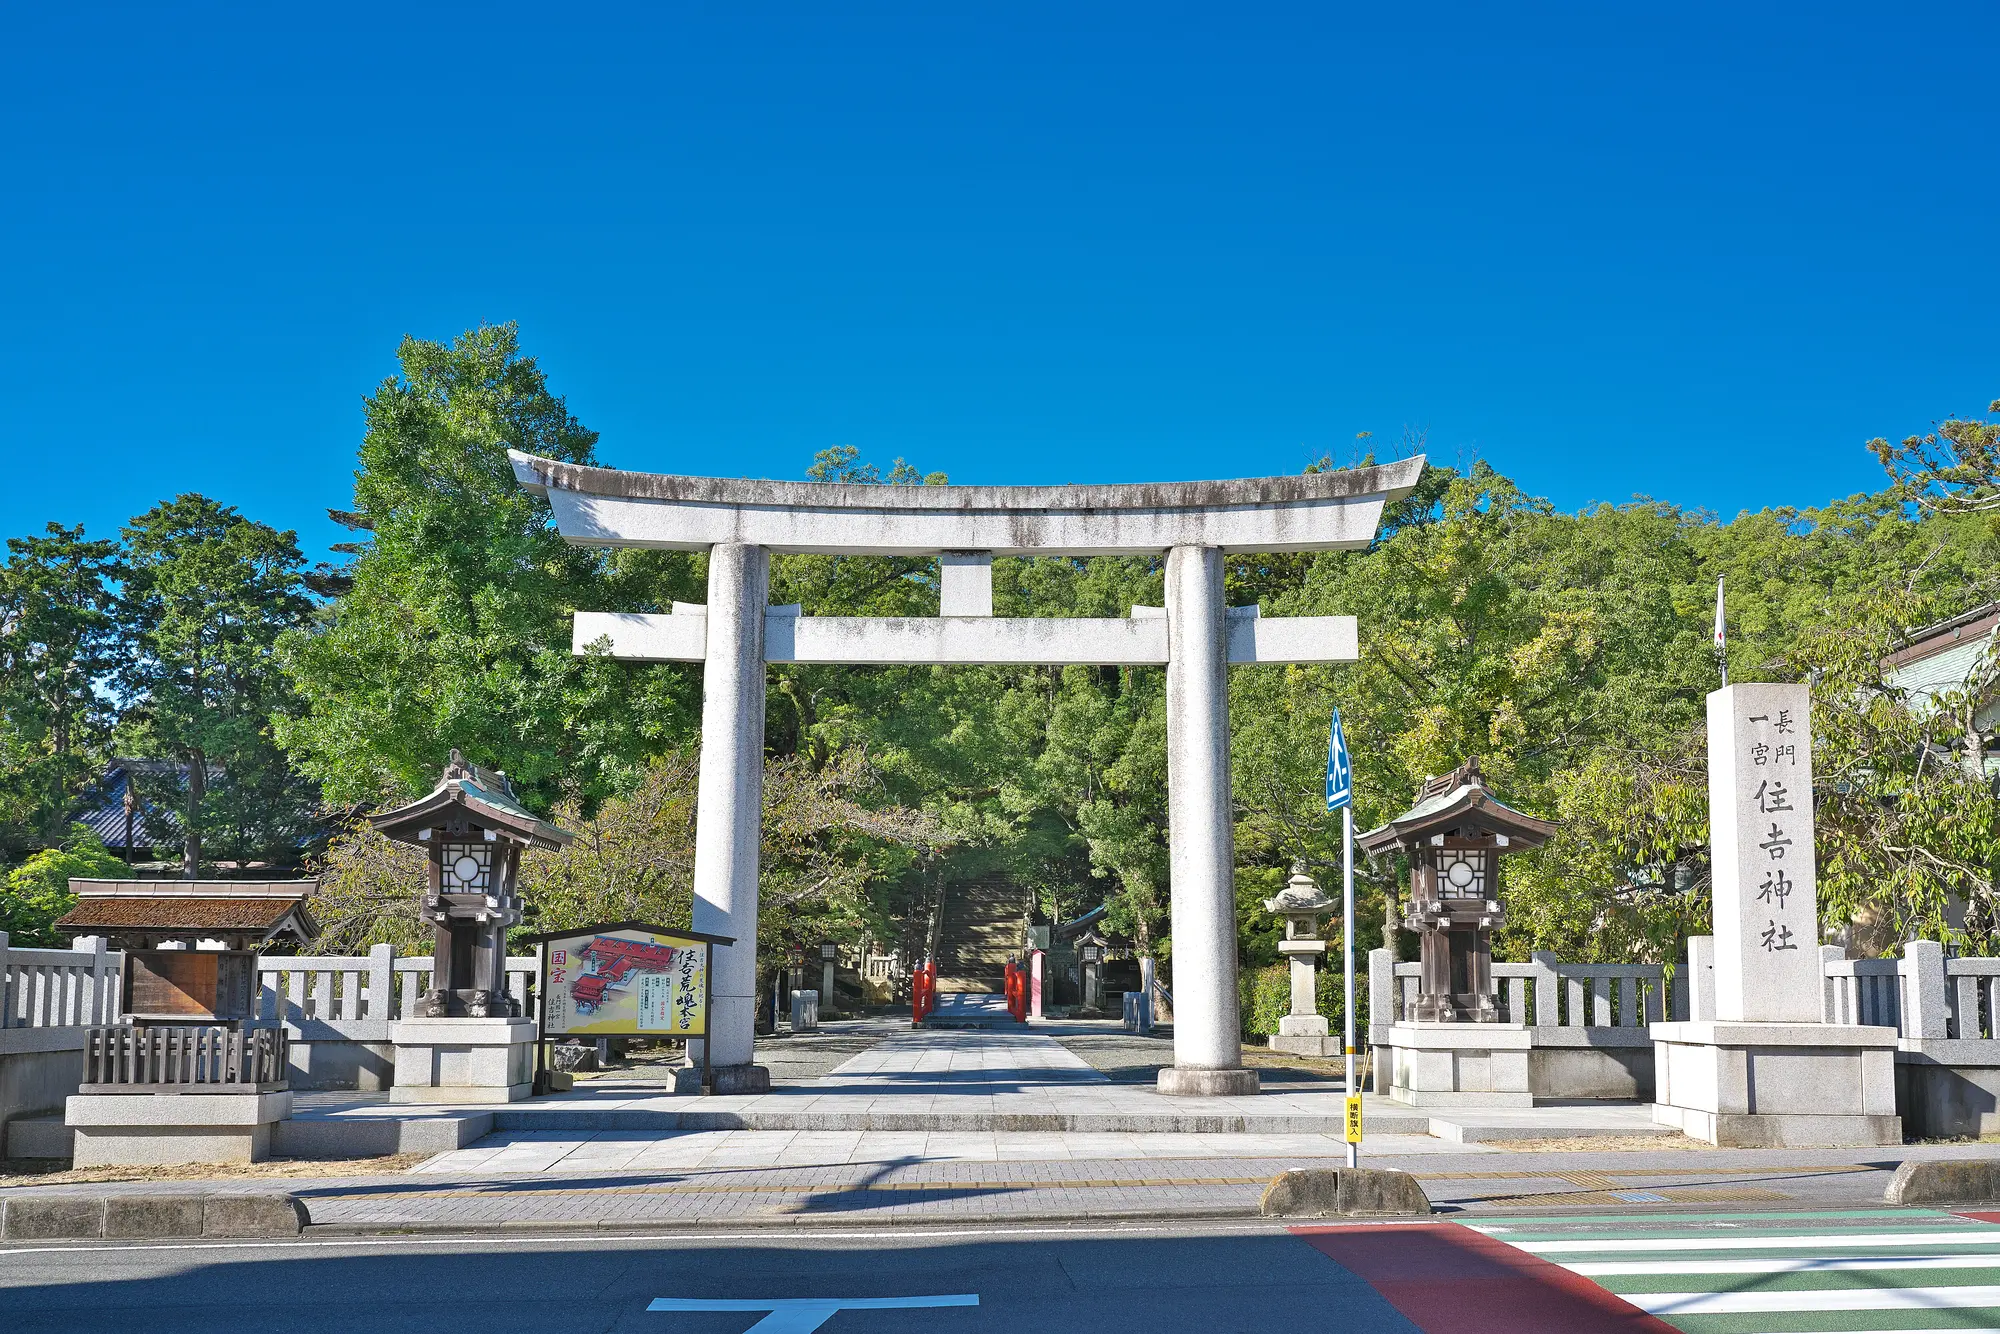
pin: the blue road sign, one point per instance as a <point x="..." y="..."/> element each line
<point x="1339" y="773"/>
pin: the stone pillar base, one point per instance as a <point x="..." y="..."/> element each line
<point x="1452" y="1065"/>
<point x="1758" y="1085"/>
<point x="1304" y="1044"/>
<point x="169" y="1129"/>
<point x="1184" y="1082"/>
<point x="463" y="1060"/>
<point x="738" y="1080"/>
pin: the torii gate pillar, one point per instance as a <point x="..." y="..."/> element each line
<point x="1195" y="637"/>
<point x="1201" y="836"/>
<point x="730" y="806"/>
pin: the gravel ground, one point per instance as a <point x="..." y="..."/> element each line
<point x="1128" y="1058"/>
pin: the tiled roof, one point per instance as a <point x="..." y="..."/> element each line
<point x="175" y="914"/>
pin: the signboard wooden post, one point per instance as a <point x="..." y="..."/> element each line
<point x="627" y="979"/>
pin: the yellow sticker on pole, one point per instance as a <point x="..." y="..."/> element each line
<point x="1354" y="1119"/>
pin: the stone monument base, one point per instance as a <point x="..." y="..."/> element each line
<point x="1304" y="1035"/>
<point x="463" y="1060"/>
<point x="1454" y="1065"/>
<point x="167" y="1129"/>
<point x="735" y="1080"/>
<point x="1185" y="1082"/>
<point x="1771" y="1086"/>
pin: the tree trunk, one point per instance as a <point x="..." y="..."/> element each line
<point x="197" y="789"/>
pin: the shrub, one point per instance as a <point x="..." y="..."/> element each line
<point x="36" y="892"/>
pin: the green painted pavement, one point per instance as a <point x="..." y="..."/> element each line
<point x="1861" y="1270"/>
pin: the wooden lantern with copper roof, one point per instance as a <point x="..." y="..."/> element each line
<point x="475" y="829"/>
<point x="1455" y="835"/>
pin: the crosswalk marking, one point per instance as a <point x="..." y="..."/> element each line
<point x="1831" y="1264"/>
<point x="1856" y="1272"/>
<point x="1752" y="1242"/>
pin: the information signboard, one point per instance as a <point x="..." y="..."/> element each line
<point x="626" y="979"/>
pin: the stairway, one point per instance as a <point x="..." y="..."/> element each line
<point x="981" y="930"/>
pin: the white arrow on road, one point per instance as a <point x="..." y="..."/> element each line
<point x="803" y="1315"/>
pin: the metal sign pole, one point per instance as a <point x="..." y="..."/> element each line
<point x="1347" y="950"/>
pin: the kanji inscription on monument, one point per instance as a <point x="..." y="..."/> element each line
<point x="1767" y="966"/>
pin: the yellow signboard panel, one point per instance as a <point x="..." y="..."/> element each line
<point x="625" y="982"/>
<point x="1354" y="1120"/>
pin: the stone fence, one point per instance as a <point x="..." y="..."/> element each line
<point x="1586" y="1021"/>
<point x="49" y="999"/>
<point x="337" y="1010"/>
<point x="1946" y="1013"/>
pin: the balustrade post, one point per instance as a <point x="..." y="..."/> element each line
<point x="1381" y="990"/>
<point x="1546" y="1013"/>
<point x="6" y="986"/>
<point x="1925" y="1005"/>
<point x="381" y="987"/>
<point x="1831" y="1007"/>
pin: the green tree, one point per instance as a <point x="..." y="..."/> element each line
<point x="455" y="626"/>
<point x="36" y="893"/>
<point x="57" y="642"/>
<point x="206" y="593"/>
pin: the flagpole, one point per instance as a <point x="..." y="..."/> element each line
<point x="1347" y="949"/>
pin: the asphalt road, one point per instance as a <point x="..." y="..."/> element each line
<point x="1154" y="1279"/>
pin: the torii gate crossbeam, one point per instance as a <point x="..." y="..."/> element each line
<point x="1194" y="636"/>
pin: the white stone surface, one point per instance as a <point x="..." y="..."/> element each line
<point x="1777" y="1085"/>
<point x="1201" y="832"/>
<point x="730" y="808"/>
<point x="963" y="639"/>
<point x="162" y="1130"/>
<point x="1449" y="1066"/>
<point x="1766" y="903"/>
<point x="1306" y="512"/>
<point x="965" y="583"/>
<point x="462" y="1060"/>
<point x="1701" y="977"/>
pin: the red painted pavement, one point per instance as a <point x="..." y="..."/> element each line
<point x="1984" y="1218"/>
<point x="1448" y="1279"/>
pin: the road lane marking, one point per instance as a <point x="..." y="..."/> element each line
<point x="1982" y="1236"/>
<point x="1812" y="1265"/>
<point x="803" y="1315"/>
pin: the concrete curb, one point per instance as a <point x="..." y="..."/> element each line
<point x="1945" y="1181"/>
<point x="76" y="1215"/>
<point x="1344" y="1192"/>
<point x="773" y="1222"/>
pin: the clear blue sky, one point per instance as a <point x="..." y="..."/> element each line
<point x="1696" y="251"/>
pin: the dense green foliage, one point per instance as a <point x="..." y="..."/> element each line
<point x="1569" y="652"/>
<point x="36" y="892"/>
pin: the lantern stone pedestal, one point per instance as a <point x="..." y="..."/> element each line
<point x="463" y="1060"/>
<point x="1457" y="1065"/>
<point x="170" y="1129"/>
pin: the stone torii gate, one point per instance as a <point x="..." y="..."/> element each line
<point x="1195" y="637"/>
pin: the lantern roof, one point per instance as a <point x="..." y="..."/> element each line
<point x="1458" y="801"/>
<point x="487" y="799"/>
<point x="1301" y="894"/>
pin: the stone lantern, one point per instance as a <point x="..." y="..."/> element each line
<point x="1455" y="836"/>
<point x="1301" y="905"/>
<point x="471" y="1043"/>
<point x="1450" y="1047"/>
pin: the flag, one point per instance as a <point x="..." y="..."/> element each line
<point x="1339" y="773"/>
<point x="1720" y="625"/>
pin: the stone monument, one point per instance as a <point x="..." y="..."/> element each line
<point x="1196" y="636"/>
<point x="1454" y="1048"/>
<point x="471" y="1043"/>
<point x="1764" y="1069"/>
<point x="1301" y="905"/>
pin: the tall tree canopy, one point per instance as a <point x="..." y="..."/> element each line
<point x="206" y="593"/>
